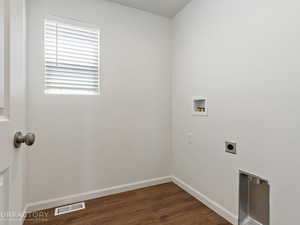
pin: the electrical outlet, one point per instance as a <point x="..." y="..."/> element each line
<point x="230" y="147"/>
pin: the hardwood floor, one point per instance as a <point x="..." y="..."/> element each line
<point x="164" y="204"/>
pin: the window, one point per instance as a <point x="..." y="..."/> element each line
<point x="71" y="59"/>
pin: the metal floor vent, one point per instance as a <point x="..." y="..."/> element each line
<point x="69" y="208"/>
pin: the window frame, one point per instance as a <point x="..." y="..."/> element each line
<point x="76" y="23"/>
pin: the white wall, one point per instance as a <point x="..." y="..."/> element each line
<point x="86" y="143"/>
<point x="244" y="56"/>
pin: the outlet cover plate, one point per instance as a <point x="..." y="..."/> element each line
<point x="230" y="147"/>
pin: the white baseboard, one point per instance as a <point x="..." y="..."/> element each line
<point x="51" y="203"/>
<point x="207" y="201"/>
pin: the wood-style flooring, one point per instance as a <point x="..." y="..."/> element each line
<point x="164" y="204"/>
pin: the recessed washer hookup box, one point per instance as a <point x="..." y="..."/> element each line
<point x="254" y="200"/>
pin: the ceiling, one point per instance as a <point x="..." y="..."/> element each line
<point x="167" y="8"/>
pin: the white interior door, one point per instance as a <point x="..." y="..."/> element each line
<point x="12" y="109"/>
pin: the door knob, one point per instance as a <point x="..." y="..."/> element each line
<point x="28" y="139"/>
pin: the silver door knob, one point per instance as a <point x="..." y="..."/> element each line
<point x="28" y="139"/>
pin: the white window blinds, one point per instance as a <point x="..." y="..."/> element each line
<point x="71" y="59"/>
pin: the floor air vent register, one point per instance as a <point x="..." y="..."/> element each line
<point x="69" y="208"/>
